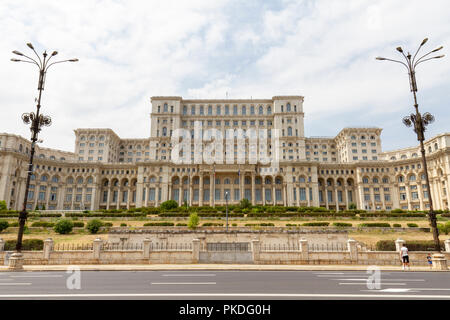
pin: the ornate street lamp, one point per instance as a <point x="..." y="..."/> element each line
<point x="36" y="120"/>
<point x="420" y="122"/>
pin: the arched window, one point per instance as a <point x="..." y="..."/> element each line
<point x="159" y="109"/>
<point x="44" y="178"/>
<point x="171" y="109"/>
<point x="261" y="110"/>
<point x="90" y="180"/>
<point x="20" y="148"/>
<point x="277" y="181"/>
<point x="252" y="110"/>
<point x="209" y="110"/>
<point x="152" y="179"/>
<point x="226" y="181"/>
<point x="385" y="180"/>
<point x="288" y="107"/>
<point x="365" y="180"/>
<point x="244" y="110"/>
<point x="412" y="177"/>
<point x="176" y="181"/>
<point x="393" y="158"/>
<point x="80" y="181"/>
<point x="184" y="110"/>
<point x="166" y="107"/>
<point x="436" y="146"/>
<point x="55" y="179"/>
<point x="282" y="108"/>
<point x="400" y="179"/>
<point x="295" y="108"/>
<point x="289" y="131"/>
<point x="301" y="179"/>
<point x="105" y="184"/>
<point x="269" y="110"/>
<point x="70" y="181"/>
<point x="164" y="131"/>
<point x="268" y="181"/>
<point x="375" y="180"/>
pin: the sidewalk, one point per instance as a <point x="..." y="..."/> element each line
<point x="218" y="267"/>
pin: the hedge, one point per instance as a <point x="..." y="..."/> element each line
<point x="106" y="214"/>
<point x="259" y="225"/>
<point x="415" y="245"/>
<point x="27" y="245"/>
<point x="393" y="215"/>
<point x="211" y="224"/>
<point x="342" y="224"/>
<point x="77" y="224"/>
<point x="397" y="225"/>
<point x="316" y="224"/>
<point x="3" y="225"/>
<point x="43" y="224"/>
<point x="412" y="225"/>
<point x="159" y="224"/>
<point x="201" y="214"/>
<point x="302" y="214"/>
<point x="375" y="224"/>
<point x="33" y="215"/>
<point x="181" y="224"/>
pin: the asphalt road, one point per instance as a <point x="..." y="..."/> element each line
<point x="218" y="285"/>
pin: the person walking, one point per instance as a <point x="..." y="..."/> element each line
<point x="404" y="256"/>
<point x="429" y="260"/>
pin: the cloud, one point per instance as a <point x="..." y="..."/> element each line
<point x="131" y="50"/>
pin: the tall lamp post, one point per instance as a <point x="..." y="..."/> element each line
<point x="36" y="121"/>
<point x="419" y="122"/>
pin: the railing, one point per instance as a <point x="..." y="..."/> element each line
<point x="275" y="247"/>
<point x="226" y="246"/>
<point x="73" y="247"/>
<point x="165" y="246"/>
<point x="328" y="247"/>
<point x="121" y="246"/>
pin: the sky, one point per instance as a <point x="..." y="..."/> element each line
<point x="131" y="50"/>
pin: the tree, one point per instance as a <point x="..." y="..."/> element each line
<point x="94" y="225"/>
<point x="3" y="205"/>
<point x="245" y="203"/>
<point x="193" y="221"/>
<point x="64" y="226"/>
<point x="352" y="206"/>
<point x="168" y="205"/>
<point x="3" y="225"/>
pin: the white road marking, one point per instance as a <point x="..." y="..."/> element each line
<point x="282" y="295"/>
<point x="190" y="275"/>
<point x="16" y="284"/>
<point x="365" y="279"/>
<point x="39" y="276"/>
<point x="384" y="284"/>
<point x="181" y="283"/>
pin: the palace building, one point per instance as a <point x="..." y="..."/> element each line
<point x="107" y="172"/>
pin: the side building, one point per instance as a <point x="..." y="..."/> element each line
<point x="106" y="172"/>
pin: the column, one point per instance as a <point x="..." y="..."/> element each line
<point x="83" y="197"/>
<point x="200" y="196"/>
<point x="372" y="198"/>
<point x="297" y="195"/>
<point x="346" y="195"/>
<point x="337" y="199"/>
<point x="61" y="194"/>
<point x="108" y="198"/>
<point x="158" y="191"/>
<point x="308" y="200"/>
<point x="383" y="199"/>
<point x="315" y="202"/>
<point x="408" y="196"/>
<point x="360" y="197"/>
<point x="94" y="197"/>
<point x="191" y="191"/>
<point x="211" y="190"/>
<point x="263" y="191"/>
<point x="241" y="185"/>
<point x="253" y="189"/>
<point x="395" y="197"/>
<point x="129" y="197"/>
<point x="36" y="195"/>
<point x="118" y="199"/>
<point x="146" y="196"/>
<point x="169" y="195"/>
<point x="274" y="199"/>
<point x="326" y="197"/>
<point x="285" y="203"/>
<point x="420" y="192"/>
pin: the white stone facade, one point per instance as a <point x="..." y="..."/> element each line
<point x="108" y="172"/>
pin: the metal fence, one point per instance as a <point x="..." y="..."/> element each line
<point x="165" y="246"/>
<point x="226" y="246"/>
<point x="328" y="247"/>
<point x="280" y="247"/>
<point x="73" y="246"/>
<point x="121" y="246"/>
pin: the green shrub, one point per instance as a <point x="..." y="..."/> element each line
<point x="259" y="225"/>
<point x="123" y="224"/>
<point x="245" y="204"/>
<point x="14" y="224"/>
<point x="159" y="224"/>
<point x="352" y="206"/>
<point x="397" y="211"/>
<point x="3" y="225"/>
<point x="3" y="205"/>
<point x="290" y="225"/>
<point x="94" y="226"/>
<point x="375" y="224"/>
<point x="444" y="228"/>
<point x="77" y="224"/>
<point x="211" y="224"/>
<point x="412" y="225"/>
<point x="316" y="224"/>
<point x="234" y="225"/>
<point x="169" y="204"/>
<point x="342" y="224"/>
<point x="397" y="225"/>
<point x="27" y="245"/>
<point x="415" y="245"/>
<point x="105" y="214"/>
<point x="181" y="224"/>
<point x="63" y="226"/>
<point x="43" y="224"/>
<point x="193" y="221"/>
<point x="107" y="224"/>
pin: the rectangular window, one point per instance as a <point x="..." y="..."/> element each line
<point x="387" y="197"/>
<point x="248" y="194"/>
<point x="258" y="195"/>
<point x="330" y="196"/>
<point x="88" y="197"/>
<point x="340" y="196"/>
<point x="151" y="194"/>
<point x="367" y="197"/>
<point x="114" y="197"/>
<point x="217" y="194"/>
<point x="320" y="196"/>
<point x="237" y="194"/>
<point x="206" y="195"/>
<point x="196" y="193"/>
<point x="176" y="194"/>
<point x="105" y="196"/>
<point x="294" y="190"/>
<point x="268" y="194"/>
<point x="302" y="193"/>
<point x="350" y="196"/>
